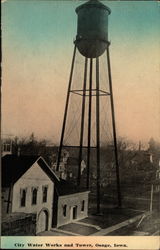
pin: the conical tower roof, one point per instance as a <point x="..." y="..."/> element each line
<point x="93" y="4"/>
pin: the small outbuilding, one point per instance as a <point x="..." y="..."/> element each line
<point x="71" y="203"/>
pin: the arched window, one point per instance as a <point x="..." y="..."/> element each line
<point x="44" y="193"/>
<point x="34" y="196"/>
<point x="23" y="197"/>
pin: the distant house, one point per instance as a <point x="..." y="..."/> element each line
<point x="62" y="165"/>
<point x="68" y="166"/>
<point x="139" y="159"/>
<point x="72" y="167"/>
<point x="30" y="186"/>
<point x="150" y="157"/>
<point x="158" y="173"/>
<point x="6" y="146"/>
<point x="157" y="180"/>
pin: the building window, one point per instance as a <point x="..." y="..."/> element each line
<point x="6" y="147"/>
<point x="82" y="205"/>
<point x="74" y="212"/>
<point x="44" y="193"/>
<point x="64" y="210"/>
<point x="34" y="196"/>
<point x="23" y="197"/>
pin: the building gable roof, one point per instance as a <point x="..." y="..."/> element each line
<point x="13" y="167"/>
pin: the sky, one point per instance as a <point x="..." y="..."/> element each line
<point x="37" y="48"/>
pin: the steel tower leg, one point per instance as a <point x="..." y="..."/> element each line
<point x="66" y="109"/>
<point x="82" y="122"/>
<point x="89" y="124"/>
<point x="98" y="135"/>
<point x="114" y="129"/>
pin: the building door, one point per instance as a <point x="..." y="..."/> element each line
<point x="42" y="223"/>
<point x="74" y="213"/>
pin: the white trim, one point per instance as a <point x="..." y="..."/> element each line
<point x="40" y="157"/>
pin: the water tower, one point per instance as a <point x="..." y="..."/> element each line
<point x="92" y="43"/>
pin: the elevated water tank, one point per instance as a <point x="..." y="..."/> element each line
<point x="92" y="28"/>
